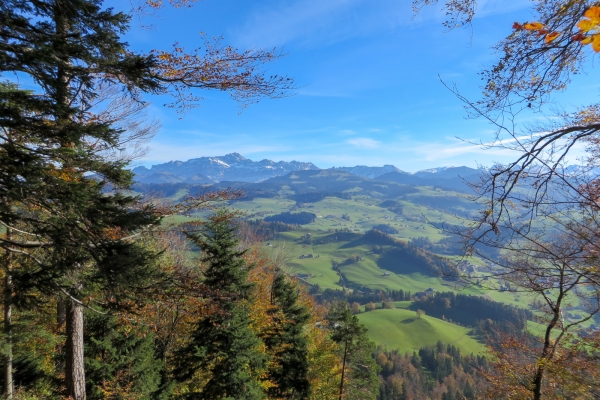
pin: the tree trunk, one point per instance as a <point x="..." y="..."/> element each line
<point x="547" y="349"/>
<point x="343" y="369"/>
<point x="61" y="311"/>
<point x="8" y="358"/>
<point x="74" y="366"/>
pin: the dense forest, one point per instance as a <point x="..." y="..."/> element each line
<point x="301" y="218"/>
<point x="469" y="310"/>
<point x="266" y="230"/>
<point x="439" y="372"/>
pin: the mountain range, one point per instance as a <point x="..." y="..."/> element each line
<point x="230" y="167"/>
<point x="234" y="167"/>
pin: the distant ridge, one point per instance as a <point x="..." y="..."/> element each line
<point x="230" y="167"/>
<point x="370" y="172"/>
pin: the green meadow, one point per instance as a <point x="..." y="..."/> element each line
<point x="400" y="329"/>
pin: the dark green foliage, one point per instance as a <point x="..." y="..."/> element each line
<point x="425" y="371"/>
<point x="341" y="236"/>
<point x="49" y="142"/>
<point x="288" y="342"/>
<point x="267" y="230"/>
<point x="222" y="342"/>
<point x="119" y="358"/>
<point x="404" y="258"/>
<point x="362" y="296"/>
<point x="468" y="310"/>
<point x="359" y="379"/>
<point x="301" y="218"/>
<point x="31" y="343"/>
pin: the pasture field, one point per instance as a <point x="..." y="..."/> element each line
<point x="401" y="330"/>
<point x="367" y="273"/>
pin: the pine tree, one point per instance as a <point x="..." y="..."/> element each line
<point x="222" y="343"/>
<point x="48" y="154"/>
<point x="359" y="370"/>
<point x="289" y="342"/>
<point x="119" y="359"/>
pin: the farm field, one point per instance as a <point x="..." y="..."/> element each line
<point x="367" y="273"/>
<point x="401" y="329"/>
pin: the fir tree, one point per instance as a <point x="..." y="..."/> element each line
<point x="49" y="150"/>
<point x="119" y="360"/>
<point x="288" y="342"/>
<point x="52" y="147"/>
<point x="222" y="343"/>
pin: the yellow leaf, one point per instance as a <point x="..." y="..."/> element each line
<point x="586" y="25"/>
<point x="593" y="13"/>
<point x="552" y="36"/>
<point x="533" y="26"/>
<point x="596" y="43"/>
<point x="587" y="40"/>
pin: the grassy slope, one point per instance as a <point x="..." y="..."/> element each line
<point x="366" y="273"/>
<point x="401" y="329"/>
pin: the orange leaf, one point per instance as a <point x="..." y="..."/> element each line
<point x="552" y="37"/>
<point x="593" y="13"/>
<point x="586" y="25"/>
<point x="533" y="26"/>
<point x="596" y="43"/>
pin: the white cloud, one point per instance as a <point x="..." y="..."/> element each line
<point x="366" y="143"/>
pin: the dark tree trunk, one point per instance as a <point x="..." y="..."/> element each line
<point x="74" y="366"/>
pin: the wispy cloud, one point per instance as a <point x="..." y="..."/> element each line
<point x="366" y="143"/>
<point x="487" y="8"/>
<point x="317" y="21"/>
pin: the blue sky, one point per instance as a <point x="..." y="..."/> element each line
<point x="368" y="76"/>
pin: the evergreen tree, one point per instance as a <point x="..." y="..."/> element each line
<point x="119" y="360"/>
<point x="288" y="342"/>
<point x="52" y="147"/>
<point x="359" y="370"/>
<point x="222" y="343"/>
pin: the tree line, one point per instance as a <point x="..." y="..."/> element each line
<point x="301" y="218"/>
<point x="468" y="310"/>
